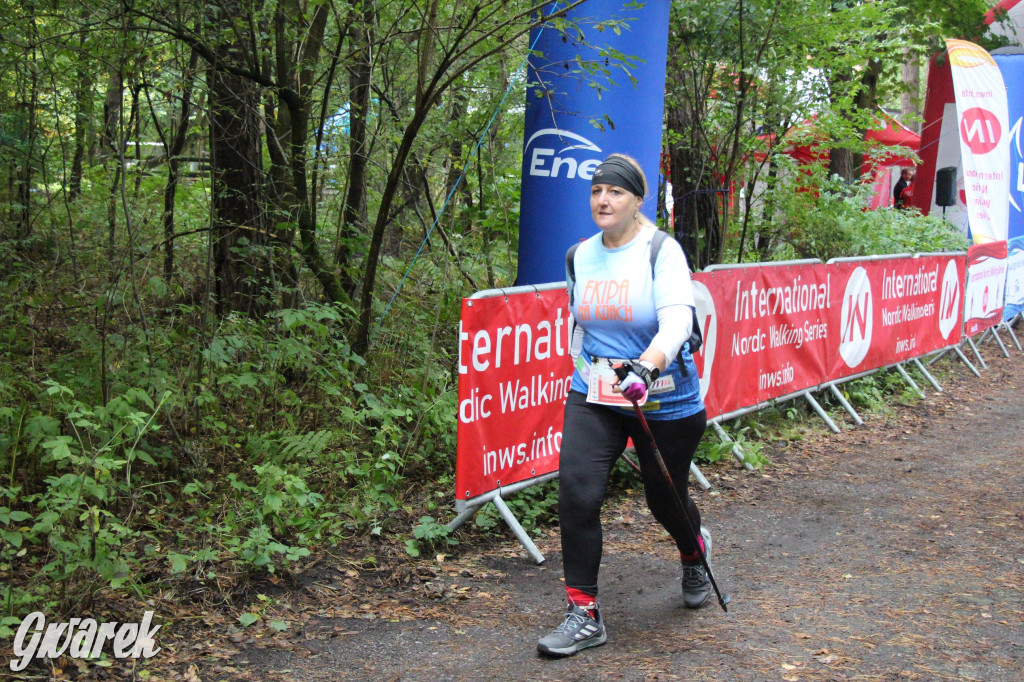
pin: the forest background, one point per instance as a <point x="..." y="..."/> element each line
<point x="235" y="235"/>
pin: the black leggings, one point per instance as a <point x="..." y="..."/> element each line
<point x="593" y="437"/>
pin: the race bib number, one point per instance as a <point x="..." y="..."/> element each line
<point x="599" y="386"/>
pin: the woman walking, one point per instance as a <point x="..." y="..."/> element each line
<point x="635" y="307"/>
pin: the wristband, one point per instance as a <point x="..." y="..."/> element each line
<point x="652" y="370"/>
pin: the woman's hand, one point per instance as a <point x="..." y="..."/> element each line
<point x="634" y="379"/>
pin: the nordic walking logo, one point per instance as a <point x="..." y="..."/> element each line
<point x="82" y="638"/>
<point x="708" y="319"/>
<point x="980" y="130"/>
<point x="857" y="319"/>
<point x="949" y="304"/>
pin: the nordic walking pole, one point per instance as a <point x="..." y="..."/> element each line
<point x="631" y="463"/>
<point x="620" y="371"/>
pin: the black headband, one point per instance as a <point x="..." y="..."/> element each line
<point x="615" y="170"/>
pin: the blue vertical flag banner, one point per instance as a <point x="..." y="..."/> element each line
<point x="1012" y="68"/>
<point x="575" y="118"/>
<point x="1014" y="304"/>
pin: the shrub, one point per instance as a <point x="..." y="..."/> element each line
<point x="821" y="216"/>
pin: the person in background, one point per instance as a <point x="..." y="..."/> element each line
<point x="902" y="192"/>
<point x="625" y="309"/>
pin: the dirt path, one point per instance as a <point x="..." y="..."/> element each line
<point x="888" y="552"/>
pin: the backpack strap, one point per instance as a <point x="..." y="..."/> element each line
<point x="656" y="242"/>
<point x="696" y="339"/>
<point x="570" y="267"/>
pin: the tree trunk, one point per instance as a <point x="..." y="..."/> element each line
<point x="294" y="112"/>
<point x="846" y="162"/>
<point x="455" y="164"/>
<point x="353" y="217"/>
<point x="697" y="223"/>
<point x="112" y="114"/>
<point x="242" y="266"/>
<point x="763" y="243"/>
<point x="115" y="185"/>
<point x="24" y="175"/>
<point x="362" y="339"/>
<point x="910" y="103"/>
<point x="83" y="121"/>
<point x="133" y="131"/>
<point x="23" y="172"/>
<point x="26" y="120"/>
<point x="176" y="146"/>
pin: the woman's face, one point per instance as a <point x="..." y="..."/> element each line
<point x="612" y="207"/>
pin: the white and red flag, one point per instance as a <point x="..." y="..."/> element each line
<point x="983" y="123"/>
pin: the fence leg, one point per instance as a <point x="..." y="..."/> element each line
<point x="464" y="515"/>
<point x="927" y="375"/>
<point x="981" y="360"/>
<point x="910" y="380"/>
<point x="846" y="405"/>
<point x="938" y="356"/>
<point x="699" y="477"/>
<point x="513" y="523"/>
<point x="821" y="413"/>
<point x="956" y="349"/>
<point x="1013" y="335"/>
<point x="737" y="451"/>
<point x="1006" y="353"/>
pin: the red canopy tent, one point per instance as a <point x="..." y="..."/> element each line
<point x="888" y="132"/>
<point x="885" y="171"/>
<point x="1007" y="19"/>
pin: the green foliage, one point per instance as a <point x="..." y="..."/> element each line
<point x="821" y="216"/>
<point x="742" y="78"/>
<point x="259" y="611"/>
<point x="278" y="505"/>
<point x="286" y="441"/>
<point x="72" y="523"/>
<point x="318" y="420"/>
<point x="713" y="449"/>
<point x="878" y="392"/>
<point x="429" y="534"/>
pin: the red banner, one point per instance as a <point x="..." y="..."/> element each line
<point x="764" y="330"/>
<point x="775" y="330"/>
<point x="514" y="374"/>
<point x="986" y="284"/>
<point x="891" y="310"/>
<point x="769" y="331"/>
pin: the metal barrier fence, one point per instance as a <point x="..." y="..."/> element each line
<point x="466" y="508"/>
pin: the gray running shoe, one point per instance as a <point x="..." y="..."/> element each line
<point x="577" y="632"/>
<point x="696" y="584"/>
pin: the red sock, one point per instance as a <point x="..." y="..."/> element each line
<point x="695" y="556"/>
<point x="582" y="600"/>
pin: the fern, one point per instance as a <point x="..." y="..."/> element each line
<point x="306" y="446"/>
